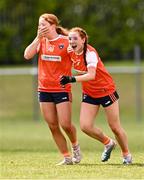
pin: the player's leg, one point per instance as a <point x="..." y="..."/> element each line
<point x="112" y="114"/>
<point x="87" y="117"/>
<point x="64" y="116"/>
<point x="88" y="114"/>
<point x="49" y="112"/>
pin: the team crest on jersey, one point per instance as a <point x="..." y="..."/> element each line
<point x="61" y="46"/>
<point x="51" y="48"/>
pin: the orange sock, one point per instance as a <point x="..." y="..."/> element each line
<point x="74" y="143"/>
<point x="125" y="153"/>
<point x="66" y="154"/>
<point x="106" y="140"/>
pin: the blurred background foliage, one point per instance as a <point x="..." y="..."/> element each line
<point x="114" y="26"/>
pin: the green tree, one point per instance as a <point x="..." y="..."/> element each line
<point x="113" y="26"/>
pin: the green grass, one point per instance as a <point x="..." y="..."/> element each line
<point x="123" y="63"/>
<point x="27" y="150"/>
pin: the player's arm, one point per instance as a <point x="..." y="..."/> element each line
<point x="90" y="75"/>
<point x="33" y="48"/>
<point x="92" y="60"/>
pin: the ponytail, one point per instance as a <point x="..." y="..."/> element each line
<point x="61" y="30"/>
<point x="84" y="53"/>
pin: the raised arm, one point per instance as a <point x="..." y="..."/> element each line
<point x="31" y="50"/>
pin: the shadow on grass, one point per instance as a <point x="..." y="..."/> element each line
<point x="118" y="165"/>
<point x="18" y="150"/>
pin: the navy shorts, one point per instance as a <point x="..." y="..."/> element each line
<point x="104" y="101"/>
<point x="57" y="97"/>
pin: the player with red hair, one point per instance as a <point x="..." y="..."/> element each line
<point x="98" y="89"/>
<point x="51" y="44"/>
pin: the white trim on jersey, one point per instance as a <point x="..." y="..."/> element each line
<point x="91" y="58"/>
<point x="59" y="36"/>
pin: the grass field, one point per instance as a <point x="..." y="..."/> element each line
<point x="27" y="150"/>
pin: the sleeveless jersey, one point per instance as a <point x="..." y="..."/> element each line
<point x="53" y="62"/>
<point x="103" y="83"/>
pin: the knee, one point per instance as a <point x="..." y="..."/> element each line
<point x="53" y="127"/>
<point x="85" y="128"/>
<point x="66" y="127"/>
<point x="116" y="130"/>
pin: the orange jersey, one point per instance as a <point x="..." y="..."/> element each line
<point x="103" y="84"/>
<point x="53" y="62"/>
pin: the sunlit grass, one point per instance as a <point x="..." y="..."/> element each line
<point x="27" y="150"/>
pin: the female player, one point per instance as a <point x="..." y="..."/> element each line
<point x="51" y="44"/>
<point x="98" y="89"/>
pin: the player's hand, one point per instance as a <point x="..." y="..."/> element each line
<point x="42" y="32"/>
<point x="67" y="79"/>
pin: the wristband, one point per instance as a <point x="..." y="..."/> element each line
<point x="72" y="79"/>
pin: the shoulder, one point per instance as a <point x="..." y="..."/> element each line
<point x="92" y="57"/>
<point x="59" y="39"/>
<point x="63" y="41"/>
<point x="63" y="37"/>
<point x="91" y="51"/>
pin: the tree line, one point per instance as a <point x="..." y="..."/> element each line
<point x="114" y="26"/>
